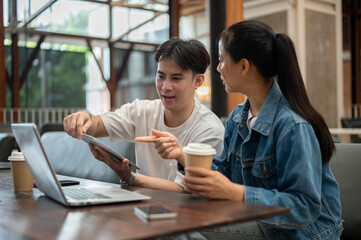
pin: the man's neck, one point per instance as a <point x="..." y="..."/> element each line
<point x="176" y="118"/>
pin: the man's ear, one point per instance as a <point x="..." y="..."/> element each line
<point x="198" y="80"/>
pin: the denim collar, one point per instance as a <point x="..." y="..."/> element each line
<point x="267" y="114"/>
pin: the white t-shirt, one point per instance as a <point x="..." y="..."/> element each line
<point x="139" y="117"/>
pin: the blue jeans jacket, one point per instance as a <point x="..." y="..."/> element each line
<point x="279" y="162"/>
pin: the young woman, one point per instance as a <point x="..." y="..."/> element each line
<point x="277" y="147"/>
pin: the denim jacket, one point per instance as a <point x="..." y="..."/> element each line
<point x="279" y="162"/>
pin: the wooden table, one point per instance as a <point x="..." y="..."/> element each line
<point x="345" y="133"/>
<point x="31" y="215"/>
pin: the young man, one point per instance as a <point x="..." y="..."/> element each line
<point x="181" y="67"/>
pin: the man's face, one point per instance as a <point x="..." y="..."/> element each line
<point x="175" y="86"/>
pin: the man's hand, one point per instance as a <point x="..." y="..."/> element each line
<point x="123" y="169"/>
<point x="78" y="123"/>
<point x="166" y="144"/>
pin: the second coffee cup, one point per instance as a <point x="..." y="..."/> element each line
<point x="198" y="155"/>
<point x="22" y="178"/>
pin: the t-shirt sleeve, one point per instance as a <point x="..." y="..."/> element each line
<point x="120" y="124"/>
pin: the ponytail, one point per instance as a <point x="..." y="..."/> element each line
<point x="293" y="88"/>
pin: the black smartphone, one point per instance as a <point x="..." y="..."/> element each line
<point x="155" y="212"/>
<point x="68" y="182"/>
<point x="64" y="183"/>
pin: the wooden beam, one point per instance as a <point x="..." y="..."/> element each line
<point x="139" y="6"/>
<point x="112" y="83"/>
<point x="124" y="63"/>
<point x="174" y="16"/>
<point x="36" y="14"/>
<point x="191" y="10"/>
<point x="357" y="65"/>
<point x="30" y="61"/>
<point x="2" y="64"/>
<point x="217" y="25"/>
<point x="8" y="78"/>
<point x="31" y="32"/>
<point x="15" y="87"/>
<point x="234" y="14"/>
<point x="157" y="14"/>
<point x="96" y="60"/>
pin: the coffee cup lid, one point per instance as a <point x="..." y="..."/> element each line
<point x="16" y="156"/>
<point x="199" y="149"/>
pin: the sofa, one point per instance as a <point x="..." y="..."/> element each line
<point x="72" y="157"/>
<point x="346" y="167"/>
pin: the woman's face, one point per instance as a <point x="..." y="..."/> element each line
<point x="231" y="74"/>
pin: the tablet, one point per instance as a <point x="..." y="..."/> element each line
<point x="116" y="156"/>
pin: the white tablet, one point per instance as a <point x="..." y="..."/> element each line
<point x="116" y="156"/>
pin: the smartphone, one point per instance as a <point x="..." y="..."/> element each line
<point x="155" y="212"/>
<point x="116" y="156"/>
<point x="64" y="183"/>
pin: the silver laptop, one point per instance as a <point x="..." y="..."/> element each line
<point x="28" y="139"/>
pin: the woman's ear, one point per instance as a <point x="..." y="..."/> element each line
<point x="198" y="80"/>
<point x="245" y="65"/>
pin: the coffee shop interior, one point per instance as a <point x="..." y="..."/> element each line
<point x="60" y="56"/>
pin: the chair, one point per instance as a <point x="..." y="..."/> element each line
<point x="72" y="157"/>
<point x="352" y="123"/>
<point x="51" y="126"/>
<point x="5" y="128"/>
<point x="7" y="144"/>
<point x="346" y="167"/>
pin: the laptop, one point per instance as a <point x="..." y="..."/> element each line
<point x="28" y="139"/>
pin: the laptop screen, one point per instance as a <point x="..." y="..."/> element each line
<point x="28" y="139"/>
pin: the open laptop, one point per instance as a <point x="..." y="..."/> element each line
<point x="28" y="139"/>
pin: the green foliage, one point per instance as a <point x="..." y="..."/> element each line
<point x="66" y="85"/>
<point x="56" y="79"/>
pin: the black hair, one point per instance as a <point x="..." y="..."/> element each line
<point x="274" y="55"/>
<point x="188" y="54"/>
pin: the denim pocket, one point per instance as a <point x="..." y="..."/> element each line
<point x="264" y="168"/>
<point x="265" y="171"/>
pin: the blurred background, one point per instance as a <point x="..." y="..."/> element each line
<point x="59" y="56"/>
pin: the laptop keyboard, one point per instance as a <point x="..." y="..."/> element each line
<point x="82" y="194"/>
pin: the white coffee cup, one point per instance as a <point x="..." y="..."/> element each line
<point x="198" y="155"/>
<point x="22" y="178"/>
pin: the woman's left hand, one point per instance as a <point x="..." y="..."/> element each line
<point x="212" y="184"/>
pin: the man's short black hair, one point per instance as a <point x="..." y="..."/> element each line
<point x="188" y="54"/>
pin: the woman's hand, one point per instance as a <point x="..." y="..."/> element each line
<point x="212" y="184"/>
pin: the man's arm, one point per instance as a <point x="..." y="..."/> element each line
<point x="84" y="122"/>
<point x="123" y="171"/>
<point x="156" y="183"/>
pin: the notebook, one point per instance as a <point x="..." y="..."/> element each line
<point x="28" y="139"/>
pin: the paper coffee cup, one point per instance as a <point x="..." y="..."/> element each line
<point x="198" y="155"/>
<point x="22" y="178"/>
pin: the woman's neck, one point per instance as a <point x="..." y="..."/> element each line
<point x="259" y="95"/>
